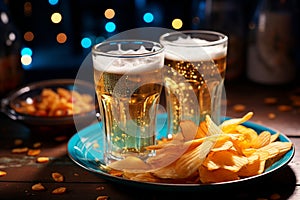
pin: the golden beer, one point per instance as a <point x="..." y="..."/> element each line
<point x="198" y="83"/>
<point x="128" y="93"/>
<point x="194" y="74"/>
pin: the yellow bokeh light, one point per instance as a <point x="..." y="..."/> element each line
<point x="28" y="36"/>
<point x="177" y="23"/>
<point x="26" y="60"/>
<point x="109" y="13"/>
<point x="56" y="18"/>
<point x="61" y="38"/>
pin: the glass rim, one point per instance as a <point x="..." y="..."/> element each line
<point x="96" y="51"/>
<point x="223" y="38"/>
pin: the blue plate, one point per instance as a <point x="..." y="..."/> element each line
<point x="85" y="149"/>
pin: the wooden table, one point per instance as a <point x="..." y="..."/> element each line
<point x="23" y="171"/>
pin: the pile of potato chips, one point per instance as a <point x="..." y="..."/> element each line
<point x="56" y="103"/>
<point x="206" y="154"/>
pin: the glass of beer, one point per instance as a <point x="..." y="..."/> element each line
<point x="128" y="81"/>
<point x="195" y="64"/>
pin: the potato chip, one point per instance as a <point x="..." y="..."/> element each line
<point x="248" y="133"/>
<point x="202" y="130"/>
<point x="129" y="163"/>
<point x="207" y="154"/>
<point x="254" y="167"/>
<point x="272" y="152"/>
<point x="263" y="154"/>
<point x="188" y="129"/>
<point x="276" y="148"/>
<point x="189" y="162"/>
<point x="210" y="164"/>
<point x="240" y="143"/>
<point x="167" y="172"/>
<point x="230" y="124"/>
<point x="244" y="138"/>
<point x="212" y="128"/>
<point x="166" y="156"/>
<point x="247" y="152"/>
<point x="193" y="143"/>
<point x="282" y="146"/>
<point x="222" y="145"/>
<point x="274" y="137"/>
<point x="214" y="176"/>
<point x="261" y="140"/>
<point x="225" y="159"/>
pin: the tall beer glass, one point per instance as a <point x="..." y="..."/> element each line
<point x="195" y="63"/>
<point x="128" y="82"/>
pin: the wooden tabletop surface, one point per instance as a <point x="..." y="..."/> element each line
<point x="23" y="171"/>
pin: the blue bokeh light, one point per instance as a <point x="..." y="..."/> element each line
<point x="86" y="42"/>
<point x="53" y="2"/>
<point x="148" y="17"/>
<point x="110" y="27"/>
<point x="26" y="51"/>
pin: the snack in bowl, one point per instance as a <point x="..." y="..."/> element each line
<point x="59" y="102"/>
<point x="206" y="154"/>
<point x="52" y="106"/>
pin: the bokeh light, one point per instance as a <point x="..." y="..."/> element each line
<point x="148" y="17"/>
<point x="12" y="36"/>
<point x="86" y="42"/>
<point x="4" y="18"/>
<point x="28" y="36"/>
<point x="56" y="18"/>
<point x="110" y="27"/>
<point x="61" y="38"/>
<point x="27" y="8"/>
<point x="177" y="23"/>
<point x="53" y="2"/>
<point x="109" y="13"/>
<point x="26" y="60"/>
<point x="26" y="51"/>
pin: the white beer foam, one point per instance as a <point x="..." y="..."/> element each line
<point x="128" y="65"/>
<point x="193" y="49"/>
